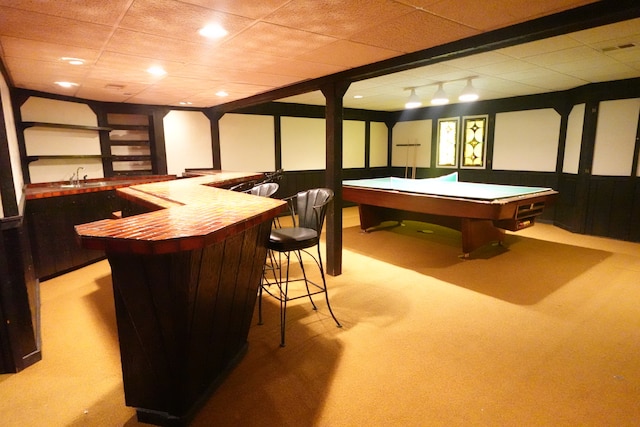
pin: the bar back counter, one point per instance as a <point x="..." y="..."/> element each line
<point x="185" y="279"/>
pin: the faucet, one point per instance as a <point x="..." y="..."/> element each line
<point x="76" y="177"/>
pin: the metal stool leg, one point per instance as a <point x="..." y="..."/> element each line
<point x="283" y="302"/>
<point x="326" y="292"/>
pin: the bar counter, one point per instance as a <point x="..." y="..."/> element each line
<point x="66" y="188"/>
<point x="185" y="279"/>
<point x="184" y="214"/>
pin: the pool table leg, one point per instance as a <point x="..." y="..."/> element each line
<point x="372" y="216"/>
<point x="477" y="233"/>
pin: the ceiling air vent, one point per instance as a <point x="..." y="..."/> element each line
<point x="618" y="47"/>
<point x="114" y="87"/>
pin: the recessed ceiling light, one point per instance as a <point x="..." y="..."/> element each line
<point x="213" y="31"/>
<point x="222" y="93"/>
<point x="66" y="84"/>
<point x="185" y="103"/>
<point x="357" y="96"/>
<point x="72" y="61"/>
<point x="156" y="70"/>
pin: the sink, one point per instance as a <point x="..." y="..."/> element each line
<point x="93" y="184"/>
<point x="85" y="185"/>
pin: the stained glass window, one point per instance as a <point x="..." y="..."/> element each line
<point x="474" y="142"/>
<point x="448" y="142"/>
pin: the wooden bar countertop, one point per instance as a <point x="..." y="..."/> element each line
<point x="187" y="214"/>
<point x="65" y="188"/>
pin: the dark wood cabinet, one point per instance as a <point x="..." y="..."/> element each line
<point x="51" y="222"/>
<point x="19" y="302"/>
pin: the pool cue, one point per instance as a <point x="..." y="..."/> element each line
<point x="406" y="162"/>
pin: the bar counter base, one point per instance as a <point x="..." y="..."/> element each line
<point x="183" y="320"/>
<point x="165" y="419"/>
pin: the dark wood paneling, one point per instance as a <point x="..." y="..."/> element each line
<point x="634" y="223"/>
<point x="294" y="181"/>
<point x="50" y="223"/>
<point x="19" y="302"/>
<point x="610" y="208"/>
<point x="183" y="320"/>
<point x="567" y="203"/>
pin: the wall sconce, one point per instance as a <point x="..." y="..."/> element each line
<point x="413" y="101"/>
<point x="440" y="97"/>
<point x="469" y="93"/>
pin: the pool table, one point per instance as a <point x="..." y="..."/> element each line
<point x="481" y="212"/>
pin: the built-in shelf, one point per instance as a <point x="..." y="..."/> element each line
<point x="64" y="126"/>
<point x="129" y="158"/>
<point x="65" y="156"/>
<point x="115" y="158"/>
<point x="129" y="127"/>
<point x="128" y="142"/>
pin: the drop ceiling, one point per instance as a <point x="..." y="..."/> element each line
<point x="276" y="43"/>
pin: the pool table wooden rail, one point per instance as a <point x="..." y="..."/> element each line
<point x="480" y="221"/>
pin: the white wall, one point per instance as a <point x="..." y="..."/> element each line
<point x="378" y="146"/>
<point x="615" y="137"/>
<point x="573" y="142"/>
<point x="414" y="132"/>
<point x="353" y="144"/>
<point x="526" y="140"/>
<point x="187" y="138"/>
<point x="247" y="143"/>
<point x="303" y="144"/>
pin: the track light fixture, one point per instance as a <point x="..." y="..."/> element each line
<point x="440" y="97"/>
<point x="414" y="100"/>
<point x="469" y="93"/>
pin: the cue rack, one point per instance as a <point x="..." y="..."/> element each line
<point x="406" y="162"/>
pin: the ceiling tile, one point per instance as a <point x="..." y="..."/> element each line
<point x="507" y="67"/>
<point x="571" y="67"/>
<point x="348" y="54"/>
<point x="277" y="40"/>
<point x="52" y="29"/>
<point x="540" y="47"/>
<point x="489" y="15"/>
<point x="606" y="73"/>
<point x="44" y="51"/>
<point x="479" y="60"/>
<point x="581" y="53"/>
<point x="159" y="17"/>
<point x="627" y="55"/>
<point x="243" y="77"/>
<point x="302" y="69"/>
<point x="416" y="31"/>
<point x="340" y="19"/>
<point x="31" y="70"/>
<point x="95" y="11"/>
<point x="155" y="47"/>
<point x="546" y="79"/>
<point x="606" y="33"/>
<point x="249" y="9"/>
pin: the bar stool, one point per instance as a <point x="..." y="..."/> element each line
<point x="310" y="208"/>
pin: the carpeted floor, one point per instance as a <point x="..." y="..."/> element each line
<point x="542" y="332"/>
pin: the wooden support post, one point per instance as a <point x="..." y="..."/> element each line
<point x="333" y="93"/>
